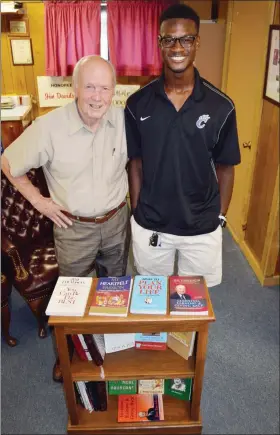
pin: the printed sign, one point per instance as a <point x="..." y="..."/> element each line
<point x="57" y="91"/>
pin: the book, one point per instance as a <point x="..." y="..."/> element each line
<point x="182" y="343"/>
<point x="151" y="386"/>
<point x="84" y="345"/>
<point x="111" y="296"/>
<point x="79" y="348"/>
<point x="96" y="347"/>
<point x="69" y="297"/>
<point x="187" y="296"/>
<point x="122" y="387"/>
<point x="140" y="407"/>
<point x="118" y="342"/>
<point x="102" y="394"/>
<point x="180" y="388"/>
<point x="149" y="295"/>
<point x="151" y="341"/>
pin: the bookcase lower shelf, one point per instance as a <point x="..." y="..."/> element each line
<point x="176" y="421"/>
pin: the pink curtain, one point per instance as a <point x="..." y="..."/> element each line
<point x="72" y="30"/>
<point x="132" y="36"/>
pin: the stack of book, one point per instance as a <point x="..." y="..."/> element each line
<point x="111" y="296"/>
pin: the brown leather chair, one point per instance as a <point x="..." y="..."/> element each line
<point x="28" y="247"/>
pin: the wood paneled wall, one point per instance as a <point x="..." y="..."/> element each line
<point x="262" y="233"/>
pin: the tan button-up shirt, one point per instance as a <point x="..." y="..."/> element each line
<point x="85" y="171"/>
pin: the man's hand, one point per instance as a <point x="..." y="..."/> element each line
<point x="53" y="211"/>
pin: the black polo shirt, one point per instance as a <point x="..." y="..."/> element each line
<point x="179" y="149"/>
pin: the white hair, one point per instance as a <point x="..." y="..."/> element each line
<point x="83" y="60"/>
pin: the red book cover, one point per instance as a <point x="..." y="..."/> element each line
<point x="144" y="345"/>
<point x="79" y="348"/>
<point x="140" y="407"/>
<point x="188" y="295"/>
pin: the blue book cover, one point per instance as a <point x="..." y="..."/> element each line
<point x="156" y="337"/>
<point x="149" y="295"/>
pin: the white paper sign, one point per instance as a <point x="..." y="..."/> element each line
<point x="57" y="91"/>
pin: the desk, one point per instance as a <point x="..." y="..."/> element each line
<point x="13" y="122"/>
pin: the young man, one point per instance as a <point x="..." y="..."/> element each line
<point x="182" y="145"/>
<point x="82" y="149"/>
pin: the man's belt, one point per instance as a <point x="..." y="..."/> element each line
<point x="96" y="220"/>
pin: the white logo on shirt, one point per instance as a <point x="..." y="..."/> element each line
<point x="143" y="119"/>
<point x="201" y="122"/>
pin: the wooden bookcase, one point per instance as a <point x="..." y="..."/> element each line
<point x="180" y="417"/>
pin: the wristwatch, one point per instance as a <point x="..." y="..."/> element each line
<point x="223" y="220"/>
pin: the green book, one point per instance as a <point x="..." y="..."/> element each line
<point x="122" y="387"/>
<point x="180" y="388"/>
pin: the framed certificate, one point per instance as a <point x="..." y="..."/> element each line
<point x="272" y="83"/>
<point x="21" y="51"/>
<point x="18" y="27"/>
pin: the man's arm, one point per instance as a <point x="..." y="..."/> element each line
<point x="44" y="205"/>
<point x="135" y="181"/>
<point x="225" y="174"/>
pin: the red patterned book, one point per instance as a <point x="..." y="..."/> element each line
<point x="111" y="296"/>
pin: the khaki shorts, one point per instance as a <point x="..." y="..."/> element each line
<point x="197" y="255"/>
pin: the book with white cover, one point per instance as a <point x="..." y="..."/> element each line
<point x="69" y="297"/>
<point x="117" y="342"/>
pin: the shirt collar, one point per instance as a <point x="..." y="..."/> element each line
<point x="76" y="122"/>
<point x="198" y="90"/>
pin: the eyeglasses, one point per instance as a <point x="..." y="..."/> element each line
<point x="170" y="41"/>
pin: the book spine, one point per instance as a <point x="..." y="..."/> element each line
<point x="102" y="395"/>
<point x="150" y="346"/>
<point x="94" y="395"/>
<point x="83" y="343"/>
<point x="93" y="350"/>
<point x="82" y="387"/>
<point x="79" y="348"/>
<point x="79" y="398"/>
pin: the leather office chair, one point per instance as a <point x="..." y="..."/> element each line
<point x="27" y="243"/>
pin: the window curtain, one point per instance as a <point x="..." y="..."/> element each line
<point x="133" y="27"/>
<point x="72" y="30"/>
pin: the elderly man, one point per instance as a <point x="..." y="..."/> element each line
<point x="82" y="150"/>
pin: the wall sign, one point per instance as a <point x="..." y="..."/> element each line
<point x="57" y="91"/>
<point x="18" y="27"/>
<point x="21" y="51"/>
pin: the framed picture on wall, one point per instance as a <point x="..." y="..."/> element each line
<point x="18" y="27"/>
<point x="271" y="90"/>
<point x="21" y="51"/>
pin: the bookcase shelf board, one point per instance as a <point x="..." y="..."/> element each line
<point x="135" y="364"/>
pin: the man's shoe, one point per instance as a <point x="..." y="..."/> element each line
<point x="57" y="374"/>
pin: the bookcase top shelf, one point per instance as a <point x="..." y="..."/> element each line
<point x="131" y="323"/>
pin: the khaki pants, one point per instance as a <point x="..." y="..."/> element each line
<point x="85" y="247"/>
